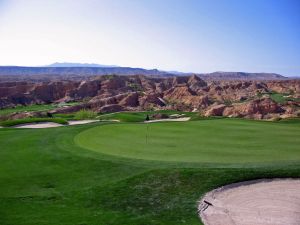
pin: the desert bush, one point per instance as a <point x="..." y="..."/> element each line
<point x="85" y="114"/>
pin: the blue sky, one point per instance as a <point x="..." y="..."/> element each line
<point x="182" y="35"/>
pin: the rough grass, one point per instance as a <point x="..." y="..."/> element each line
<point x="85" y="114"/>
<point x="29" y="108"/>
<point x="280" y="97"/>
<point x="46" y="179"/>
<point x="141" y="116"/>
<point x="67" y="116"/>
<point x="10" y="123"/>
<point x="34" y="108"/>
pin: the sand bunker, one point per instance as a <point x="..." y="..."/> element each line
<point x="168" y="120"/>
<point x="78" y="122"/>
<point x="38" y="125"/>
<point x="260" y="202"/>
<point x="51" y="124"/>
<point x="110" y="120"/>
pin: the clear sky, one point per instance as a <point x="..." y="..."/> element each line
<point x="182" y="35"/>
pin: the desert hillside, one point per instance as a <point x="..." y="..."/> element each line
<point x="112" y="93"/>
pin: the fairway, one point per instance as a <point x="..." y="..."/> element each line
<point x="47" y="178"/>
<point x="205" y="141"/>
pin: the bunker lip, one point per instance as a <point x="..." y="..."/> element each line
<point x="183" y="119"/>
<point x="38" y="125"/>
<point x="260" y="202"/>
<point x="78" y="122"/>
<point x="52" y="124"/>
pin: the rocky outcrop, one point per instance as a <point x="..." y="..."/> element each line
<point x="215" y="110"/>
<point x="131" y="100"/>
<point x="111" y="108"/>
<point x="249" y="99"/>
<point x="195" y="83"/>
<point x="254" y="109"/>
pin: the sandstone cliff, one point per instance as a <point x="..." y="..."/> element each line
<point x="250" y="99"/>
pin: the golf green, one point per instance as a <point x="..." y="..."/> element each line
<point x="47" y="179"/>
<point x="205" y="141"/>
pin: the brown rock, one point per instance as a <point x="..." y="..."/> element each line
<point x="141" y="93"/>
<point x="216" y="110"/>
<point x="131" y="100"/>
<point x="111" y="108"/>
<point x="159" y="116"/>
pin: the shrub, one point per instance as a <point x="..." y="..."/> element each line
<point x="135" y="87"/>
<point x="85" y="114"/>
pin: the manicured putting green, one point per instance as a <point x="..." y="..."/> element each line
<point x="207" y="141"/>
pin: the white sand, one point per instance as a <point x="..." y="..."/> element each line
<point x="51" y="124"/>
<point x="78" y="122"/>
<point x="169" y="120"/>
<point x="38" y="125"/>
<point x="262" y="202"/>
<point x="110" y="120"/>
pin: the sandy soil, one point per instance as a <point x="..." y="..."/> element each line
<point x="168" y="120"/>
<point x="77" y="122"/>
<point x="110" y="120"/>
<point x="51" y="124"/>
<point x="260" y="202"/>
<point x="38" y="125"/>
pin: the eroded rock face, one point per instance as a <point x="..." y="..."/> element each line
<point x="254" y="109"/>
<point x="115" y="93"/>
<point x="85" y="89"/>
<point x="131" y="100"/>
<point x="111" y="108"/>
<point x="216" y="110"/>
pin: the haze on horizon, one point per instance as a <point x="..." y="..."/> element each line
<point x="188" y="36"/>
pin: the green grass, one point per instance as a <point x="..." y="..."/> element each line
<point x="67" y="116"/>
<point x="34" y="108"/>
<point x="207" y="141"/>
<point x="84" y="114"/>
<point x="10" y="123"/>
<point x="47" y="179"/>
<point x="29" y="108"/>
<point x="141" y="116"/>
<point x="279" y="97"/>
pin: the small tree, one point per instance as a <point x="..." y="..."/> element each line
<point x="147" y="118"/>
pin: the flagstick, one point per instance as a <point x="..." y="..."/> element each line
<point x="147" y="133"/>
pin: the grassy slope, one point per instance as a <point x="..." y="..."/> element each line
<point x="46" y="179"/>
<point x="34" y="108"/>
<point x="280" y="97"/>
<point x="141" y="116"/>
<point x="10" y="123"/>
<point x="29" y="108"/>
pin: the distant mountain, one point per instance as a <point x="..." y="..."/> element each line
<point x="68" y="64"/>
<point x="241" y="76"/>
<point x="75" y="71"/>
<point x="14" y="73"/>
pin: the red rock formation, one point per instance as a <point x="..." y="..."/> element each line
<point x="255" y="109"/>
<point x="104" y="93"/>
<point x="215" y="110"/>
<point x="131" y="100"/>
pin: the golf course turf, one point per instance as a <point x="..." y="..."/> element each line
<point x="56" y="176"/>
<point x="208" y="141"/>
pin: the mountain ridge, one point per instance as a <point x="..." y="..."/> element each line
<point x="70" y="64"/>
<point x="79" y="72"/>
